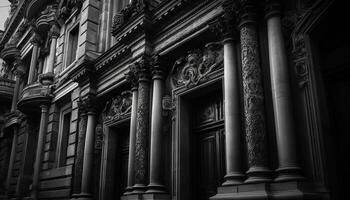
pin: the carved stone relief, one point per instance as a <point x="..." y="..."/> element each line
<point x="119" y="107"/>
<point x="196" y="66"/>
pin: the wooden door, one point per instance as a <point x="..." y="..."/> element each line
<point x="121" y="166"/>
<point x="207" y="148"/>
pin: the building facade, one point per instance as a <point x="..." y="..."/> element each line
<point x="174" y="99"/>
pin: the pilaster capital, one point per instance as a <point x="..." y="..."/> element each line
<point x="157" y="69"/>
<point x="131" y="77"/>
<point x="142" y="68"/>
<point x="54" y="31"/>
<point x="36" y="39"/>
<point x="272" y="8"/>
<point x="88" y="105"/>
<point x="225" y="26"/>
<point x="247" y="12"/>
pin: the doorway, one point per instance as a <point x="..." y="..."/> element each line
<point x="207" y="145"/>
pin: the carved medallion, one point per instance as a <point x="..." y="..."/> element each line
<point x="197" y="65"/>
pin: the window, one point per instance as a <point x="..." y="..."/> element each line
<point x="72" y="45"/>
<point x="63" y="133"/>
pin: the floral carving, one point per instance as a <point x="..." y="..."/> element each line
<point x="253" y="98"/>
<point x="119" y="107"/>
<point x="196" y="66"/>
<point x="98" y="137"/>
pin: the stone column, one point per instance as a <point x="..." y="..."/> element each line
<point x="132" y="79"/>
<point x="35" y="41"/>
<point x="19" y="73"/>
<point x="281" y="95"/>
<point x="142" y="127"/>
<point x="88" y="151"/>
<point x="39" y="153"/>
<point x="78" y="164"/>
<point x="48" y="75"/>
<point x="253" y="96"/>
<point x="12" y="157"/>
<point x="155" y="185"/>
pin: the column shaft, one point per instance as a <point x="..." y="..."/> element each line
<point x="282" y="103"/>
<point x="15" y="93"/>
<point x="12" y="158"/>
<point x="232" y="115"/>
<point x="142" y="130"/>
<point x="253" y="97"/>
<point x="155" y="185"/>
<point x="88" y="154"/>
<point x="51" y="59"/>
<point x="38" y="155"/>
<point x="33" y="62"/>
<point x="131" y="161"/>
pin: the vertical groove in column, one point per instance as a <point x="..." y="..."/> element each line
<point x="253" y="97"/>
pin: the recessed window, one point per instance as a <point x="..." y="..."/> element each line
<point x="73" y="37"/>
<point x="63" y="133"/>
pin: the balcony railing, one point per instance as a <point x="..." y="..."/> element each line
<point x="6" y="88"/>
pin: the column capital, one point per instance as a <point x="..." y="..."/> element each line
<point x="88" y="104"/>
<point x="19" y="68"/>
<point x="131" y="77"/>
<point x="247" y="12"/>
<point x="157" y="69"/>
<point x="272" y="8"/>
<point x="142" y="69"/>
<point x="54" y="31"/>
<point x="36" y="39"/>
<point x="225" y="26"/>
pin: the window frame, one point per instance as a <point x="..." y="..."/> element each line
<point x="69" y="29"/>
<point x="64" y="110"/>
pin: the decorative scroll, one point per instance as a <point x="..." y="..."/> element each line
<point x="118" y="107"/>
<point x="197" y="65"/>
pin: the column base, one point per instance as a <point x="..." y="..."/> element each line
<point x="233" y="179"/>
<point x="145" y="197"/>
<point x="277" y="191"/>
<point x="258" y="175"/>
<point x="128" y="190"/>
<point x="131" y="196"/>
<point x="139" y="189"/>
<point x="156" y="188"/>
<point x="82" y="196"/>
<point x="289" y="174"/>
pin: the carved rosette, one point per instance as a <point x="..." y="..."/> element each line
<point x="119" y="107"/>
<point x="253" y="98"/>
<point x="196" y="66"/>
<point x="300" y="58"/>
<point x="142" y="125"/>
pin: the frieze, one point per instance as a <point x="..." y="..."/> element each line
<point x="197" y="65"/>
<point x="118" y="108"/>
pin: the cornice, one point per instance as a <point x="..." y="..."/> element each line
<point x="113" y="55"/>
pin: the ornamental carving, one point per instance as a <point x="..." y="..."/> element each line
<point x="196" y="66"/>
<point x="253" y="98"/>
<point x="99" y="137"/>
<point x="132" y="9"/>
<point x="119" y="107"/>
<point x="300" y="60"/>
